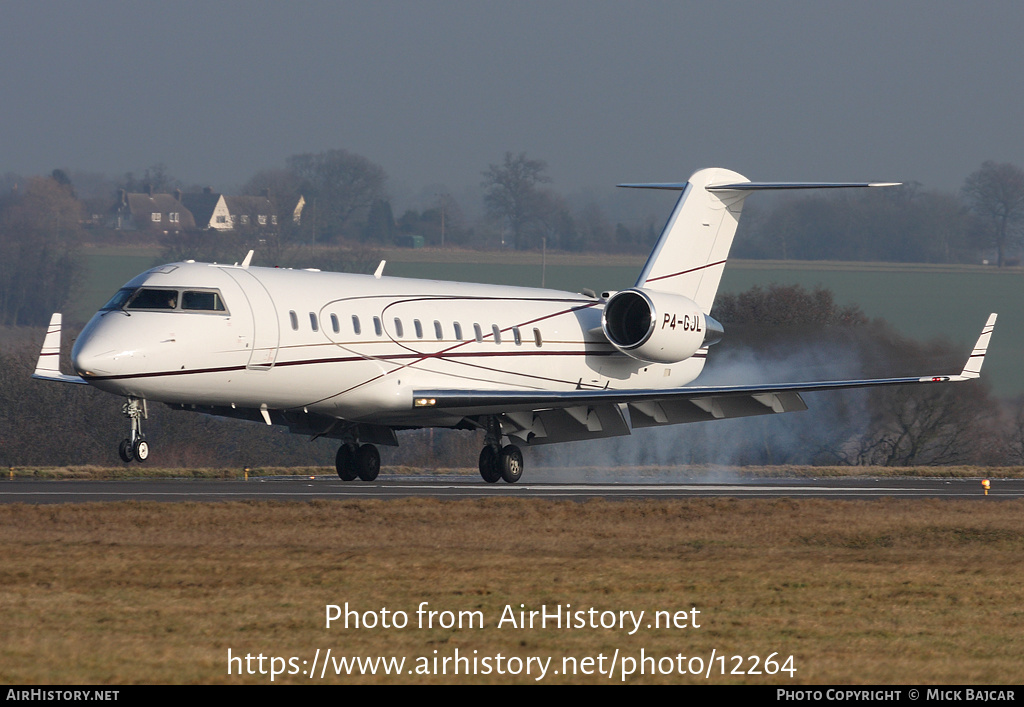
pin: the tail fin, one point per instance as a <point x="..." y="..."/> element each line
<point x="690" y="255"/>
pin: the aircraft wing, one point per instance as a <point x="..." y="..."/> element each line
<point x="546" y="416"/>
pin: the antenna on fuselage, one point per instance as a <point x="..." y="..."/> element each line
<point x="380" y="270"/>
<point x="247" y="261"/>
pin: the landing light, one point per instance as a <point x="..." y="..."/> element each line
<point x="424" y="402"/>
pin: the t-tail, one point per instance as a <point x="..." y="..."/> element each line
<point x="691" y="253"/>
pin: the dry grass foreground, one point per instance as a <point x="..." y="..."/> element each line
<point x="890" y="591"/>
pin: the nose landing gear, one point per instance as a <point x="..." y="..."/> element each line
<point x="135" y="447"/>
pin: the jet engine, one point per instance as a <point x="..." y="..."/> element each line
<point x="656" y="326"/>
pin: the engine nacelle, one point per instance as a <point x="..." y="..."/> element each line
<point x="657" y="326"/>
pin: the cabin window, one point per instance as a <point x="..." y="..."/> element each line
<point x="312" y="321"/>
<point x="295" y="320"/>
<point x="202" y="301"/>
<point x="355" y="325"/>
<point x="147" y="298"/>
<point x="516" y="336"/>
<point x="335" y="324"/>
<point x="536" y="338"/>
<point x="497" y="333"/>
<point x="479" y="333"/>
<point x="398" y="328"/>
<point x="377" y="326"/>
<point x="419" y="328"/>
<point x="438" y="332"/>
<point x="458" y="331"/>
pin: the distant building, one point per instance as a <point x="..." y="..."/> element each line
<point x="252" y="212"/>
<point x="204" y="211"/>
<point x="210" y="210"/>
<point x="156" y="213"/>
<point x="296" y="211"/>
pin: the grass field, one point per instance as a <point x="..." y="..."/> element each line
<point x="921" y="301"/>
<point x="882" y="592"/>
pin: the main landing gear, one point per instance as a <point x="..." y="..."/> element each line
<point x="501" y="463"/>
<point x="497" y="462"/>
<point x="357" y="460"/>
<point x="135" y="447"/>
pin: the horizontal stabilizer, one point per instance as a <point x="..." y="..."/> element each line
<point x="762" y="186"/>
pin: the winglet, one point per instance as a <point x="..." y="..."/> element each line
<point x="380" y="269"/>
<point x="977" y="357"/>
<point x="48" y="365"/>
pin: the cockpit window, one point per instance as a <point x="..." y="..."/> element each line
<point x="202" y="301"/>
<point x="118" y="300"/>
<point x="147" y="298"/>
<point x="165" y="299"/>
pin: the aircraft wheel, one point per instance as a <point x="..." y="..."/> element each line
<point x="141" y="450"/>
<point x="511" y="463"/>
<point x="345" y="462"/>
<point x="125" y="451"/>
<point x="489" y="469"/>
<point x="367" y="462"/>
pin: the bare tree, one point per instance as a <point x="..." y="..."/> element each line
<point x="40" y="231"/>
<point x="339" y="188"/>
<point x="512" y="194"/>
<point x="995" y="193"/>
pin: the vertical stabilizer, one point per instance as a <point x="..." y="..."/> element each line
<point x="690" y="255"/>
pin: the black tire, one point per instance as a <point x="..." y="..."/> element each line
<point x="140" y="450"/>
<point x="345" y="462"/>
<point x="489" y="469"/>
<point x="125" y="451"/>
<point x="367" y="462"/>
<point x="511" y="463"/>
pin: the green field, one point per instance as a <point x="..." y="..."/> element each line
<point x="921" y="301"/>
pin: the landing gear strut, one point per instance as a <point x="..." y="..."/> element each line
<point x="135" y="447"/>
<point x="362" y="460"/>
<point x="497" y="462"/>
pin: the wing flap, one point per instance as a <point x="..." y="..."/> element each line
<point x="675" y="412"/>
<point x="570" y="424"/>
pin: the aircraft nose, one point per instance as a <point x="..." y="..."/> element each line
<point x="93" y="354"/>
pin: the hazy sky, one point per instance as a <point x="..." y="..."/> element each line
<point x="435" y="90"/>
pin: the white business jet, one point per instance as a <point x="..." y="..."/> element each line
<point x="357" y="357"/>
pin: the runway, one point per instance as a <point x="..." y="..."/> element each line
<point x="458" y="487"/>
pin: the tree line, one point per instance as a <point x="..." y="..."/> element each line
<point x="347" y="211"/>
